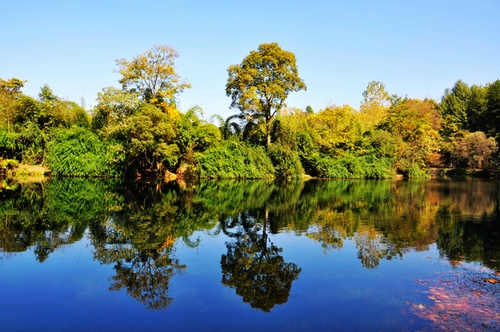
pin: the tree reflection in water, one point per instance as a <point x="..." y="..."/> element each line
<point x="134" y="226"/>
<point x="143" y="269"/>
<point x="138" y="238"/>
<point x="254" y="267"/>
<point x="146" y="278"/>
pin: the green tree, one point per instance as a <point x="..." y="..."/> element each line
<point x="477" y="109"/>
<point x="113" y="105"/>
<point x="46" y="95"/>
<point x="260" y="85"/>
<point x="55" y="112"/>
<point x="228" y="127"/>
<point x="152" y="76"/>
<point x="234" y="160"/>
<point x="493" y="111"/>
<point x="145" y="142"/>
<point x="194" y="133"/>
<point x="453" y="109"/>
<point x="79" y="152"/>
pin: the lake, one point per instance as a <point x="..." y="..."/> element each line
<point x="337" y="255"/>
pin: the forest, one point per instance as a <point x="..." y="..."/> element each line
<point x="139" y="131"/>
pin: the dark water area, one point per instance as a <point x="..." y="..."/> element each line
<point x="343" y="255"/>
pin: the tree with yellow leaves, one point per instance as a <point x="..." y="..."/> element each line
<point x="152" y="75"/>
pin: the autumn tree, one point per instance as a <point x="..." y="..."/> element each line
<point x="338" y="129"/>
<point x="260" y="85"/>
<point x="376" y="102"/>
<point x="473" y="149"/>
<point x="415" y="125"/>
<point x="10" y="91"/>
<point x="152" y="75"/>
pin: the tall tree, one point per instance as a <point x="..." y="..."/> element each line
<point x="260" y="85"/>
<point x="152" y="75"/>
<point x="376" y="102"/>
<point x="453" y="109"/>
<point x="9" y="92"/>
<point x="493" y="112"/>
<point x="11" y="86"/>
<point x="477" y="108"/>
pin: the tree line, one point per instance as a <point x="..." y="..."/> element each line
<point x="138" y="130"/>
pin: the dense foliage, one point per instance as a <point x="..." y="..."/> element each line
<point x="139" y="131"/>
<point x="235" y="160"/>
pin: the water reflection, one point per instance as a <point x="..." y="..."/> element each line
<point x="46" y="216"/>
<point x="253" y="265"/>
<point x="141" y="225"/>
<point x="135" y="226"/>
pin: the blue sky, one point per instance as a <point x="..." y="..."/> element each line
<point x="416" y="48"/>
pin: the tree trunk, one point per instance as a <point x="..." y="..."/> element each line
<point x="268" y="132"/>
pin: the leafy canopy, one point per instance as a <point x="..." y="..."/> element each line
<point x="376" y="102"/>
<point x="152" y="75"/>
<point x="260" y="85"/>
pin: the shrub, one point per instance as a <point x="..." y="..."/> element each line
<point x="234" y="160"/>
<point x="285" y="161"/>
<point x="350" y="166"/>
<point x="8" y="144"/>
<point x="473" y="149"/>
<point x="414" y="171"/>
<point x="79" y="152"/>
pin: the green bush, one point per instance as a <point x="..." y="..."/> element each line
<point x="79" y="152"/>
<point x="328" y="167"/>
<point x="285" y="161"/>
<point x="234" y="160"/>
<point x="28" y="145"/>
<point x="350" y="167"/>
<point x="32" y="142"/>
<point x="8" y="144"/>
<point x="414" y="171"/>
<point x="378" y="168"/>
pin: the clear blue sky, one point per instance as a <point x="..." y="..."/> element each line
<point x="416" y="48"/>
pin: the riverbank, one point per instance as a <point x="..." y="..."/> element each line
<point x="11" y="169"/>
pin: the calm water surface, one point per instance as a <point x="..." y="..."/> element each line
<point x="86" y="255"/>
